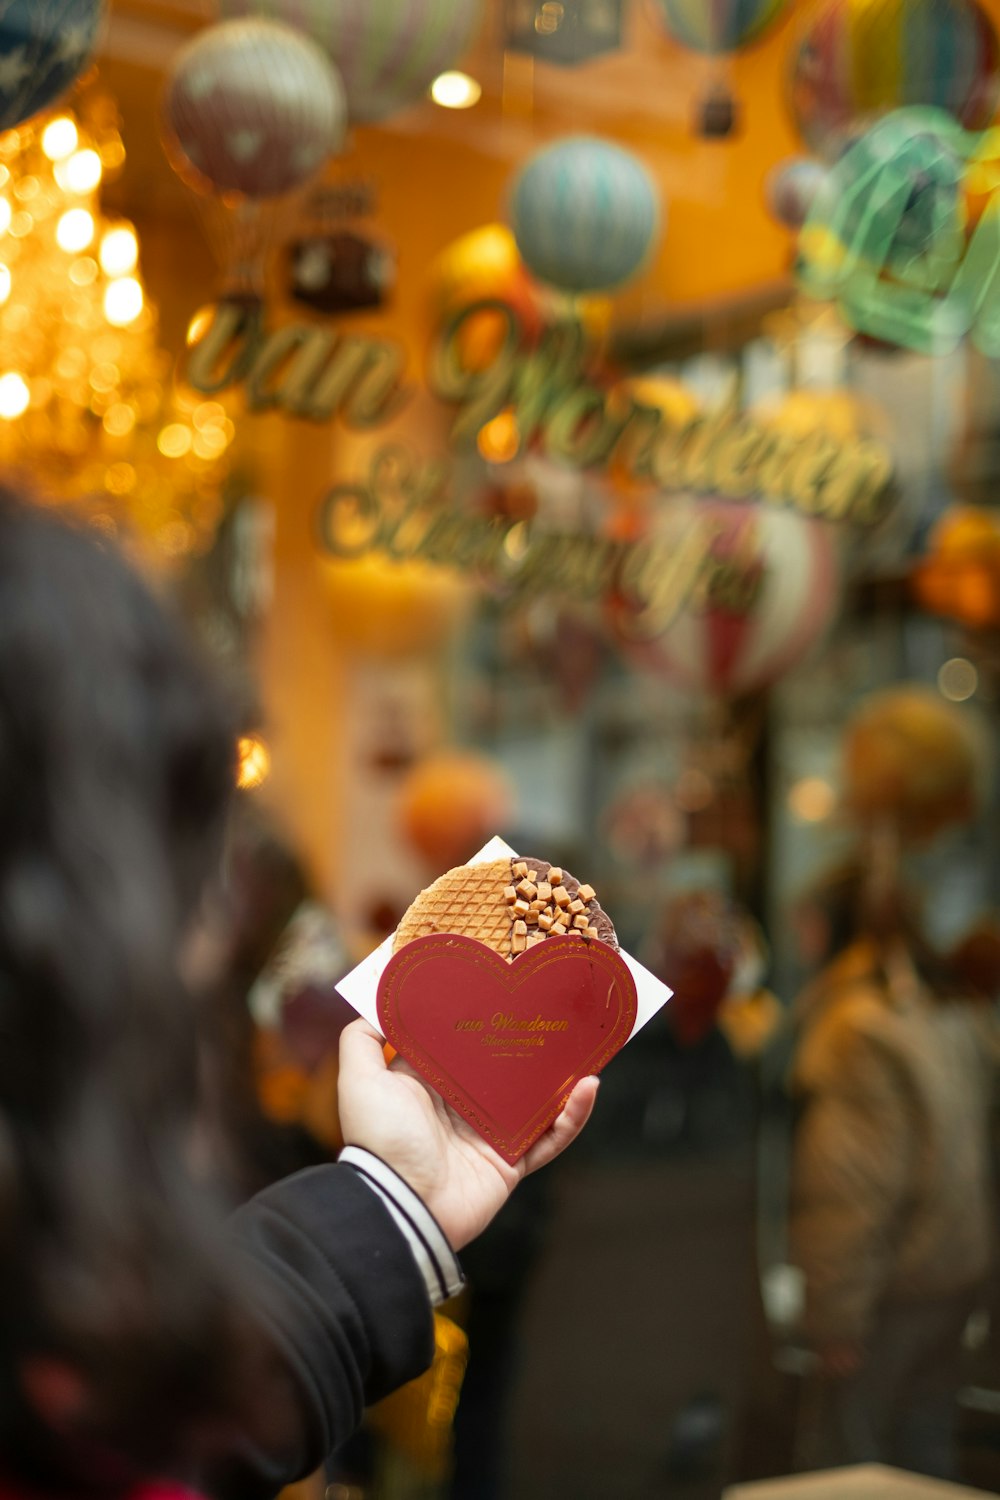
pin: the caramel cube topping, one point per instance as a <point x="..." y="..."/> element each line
<point x="555" y="875"/>
<point x="509" y="895"/>
<point x="586" y="893"/>
<point x="582" y="923"/>
<point x="576" y="907"/>
<point x="520" y="869"/>
<point x="561" y="896"/>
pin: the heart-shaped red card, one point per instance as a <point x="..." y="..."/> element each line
<point x="504" y="1043"/>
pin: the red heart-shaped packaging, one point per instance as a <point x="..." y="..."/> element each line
<point x="504" y="1043"/>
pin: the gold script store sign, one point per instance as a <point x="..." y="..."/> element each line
<point x="402" y="510"/>
<point x="554" y="404"/>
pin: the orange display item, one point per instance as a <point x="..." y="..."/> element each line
<point x="451" y="802"/>
<point x="960" y="578"/>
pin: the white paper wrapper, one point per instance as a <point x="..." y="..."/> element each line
<point x="360" y="987"/>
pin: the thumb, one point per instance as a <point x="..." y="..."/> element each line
<point x="565" y="1128"/>
<point x="361" y="1050"/>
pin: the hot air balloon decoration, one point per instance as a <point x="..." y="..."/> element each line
<point x="717" y="28"/>
<point x="586" y="215"/>
<point x="765" y="589"/>
<point x="388" y="52"/>
<point x="252" y="112"/>
<point x="43" y="50"/>
<point x="861" y="59"/>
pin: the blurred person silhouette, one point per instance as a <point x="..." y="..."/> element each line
<point x="652" y="1221"/>
<point x="147" y="1340"/>
<point x="890" y="1216"/>
<point x="699" y="947"/>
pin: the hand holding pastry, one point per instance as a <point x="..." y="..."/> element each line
<point x="389" y="1111"/>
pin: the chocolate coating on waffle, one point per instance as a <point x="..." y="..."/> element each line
<point x="597" y="916"/>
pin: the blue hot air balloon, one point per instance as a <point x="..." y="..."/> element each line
<point x="717" y="25"/>
<point x="585" y="214"/>
<point x="44" y="47"/>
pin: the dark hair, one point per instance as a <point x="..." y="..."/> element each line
<point x="116" y="764"/>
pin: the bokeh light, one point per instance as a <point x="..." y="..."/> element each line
<point x="123" y="301"/>
<point x="175" y="440"/>
<point x="81" y="173"/>
<point x="14" y="396"/>
<point x="60" y="138"/>
<point x="81" y="364"/>
<point x="254" y="762"/>
<point x="119" y="251"/>
<point x="119" y="419"/>
<point x="455" y="90"/>
<point x="499" y="441"/>
<point x="75" y="230"/>
<point x="812" y="799"/>
<point x="199" y="325"/>
<point x="958" y="679"/>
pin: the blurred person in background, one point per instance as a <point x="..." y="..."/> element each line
<point x="890" y="1218"/>
<point x="143" y="1335"/>
<point x="656" y="1209"/>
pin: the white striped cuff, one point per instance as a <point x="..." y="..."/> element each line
<point x="427" y="1240"/>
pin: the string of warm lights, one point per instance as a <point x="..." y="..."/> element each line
<point x="87" y="400"/>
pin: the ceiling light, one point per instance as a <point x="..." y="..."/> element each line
<point x="456" y="91"/>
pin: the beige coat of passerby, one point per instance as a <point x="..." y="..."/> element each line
<point x="890" y="1169"/>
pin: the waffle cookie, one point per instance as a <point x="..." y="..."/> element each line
<point x="508" y="904"/>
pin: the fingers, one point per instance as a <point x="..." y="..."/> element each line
<point x="565" y="1128"/>
<point x="361" y="1051"/>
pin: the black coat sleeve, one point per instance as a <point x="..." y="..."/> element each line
<point x="346" y="1316"/>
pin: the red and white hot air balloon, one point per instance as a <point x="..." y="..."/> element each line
<point x="758" y="588"/>
<point x="252" y="107"/>
<point x="252" y="111"/>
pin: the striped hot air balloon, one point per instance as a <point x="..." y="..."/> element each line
<point x="387" y="52"/>
<point x="717" y="26"/>
<point x="251" y="113"/>
<point x="768" y="592"/>
<point x="253" y="108"/>
<point x="585" y="214"/>
<point x="860" y="59"/>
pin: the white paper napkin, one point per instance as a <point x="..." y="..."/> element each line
<point x="360" y="987"/>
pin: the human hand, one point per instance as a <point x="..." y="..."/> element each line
<point x="389" y="1111"/>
